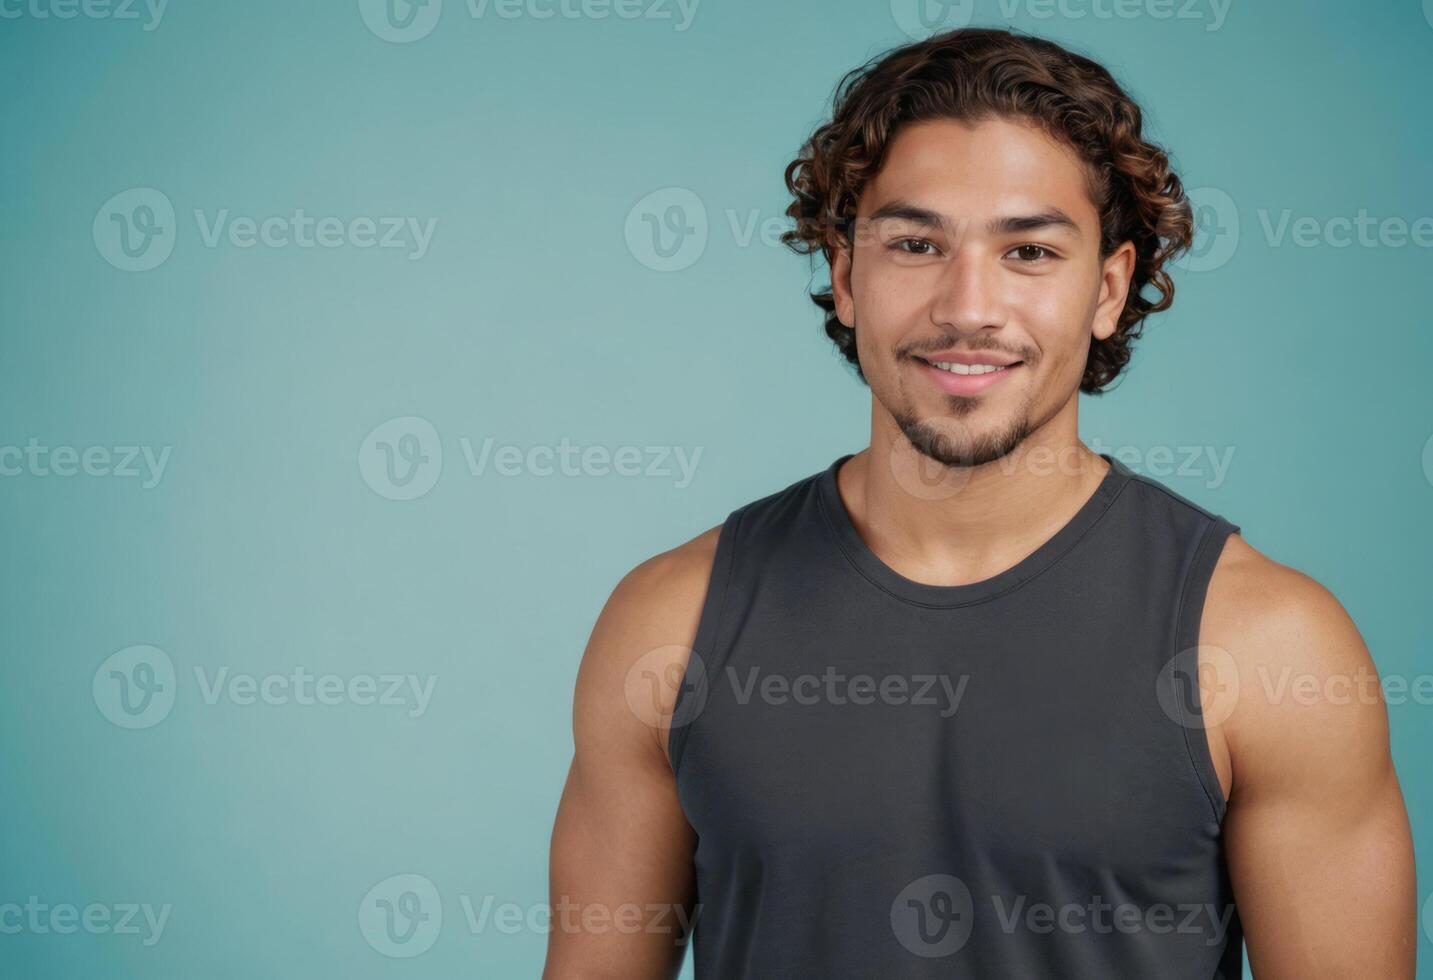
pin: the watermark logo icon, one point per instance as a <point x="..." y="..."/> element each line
<point x="923" y="476"/>
<point x="1428" y="16"/>
<point x="1428" y="449"/>
<point x="400" y="21"/>
<point x="134" y="688"/>
<point x="1216" y="230"/>
<point x="667" y="230"/>
<point x="1199" y="687"/>
<point x="134" y="231"/>
<point x="402" y="458"/>
<point x="919" y="19"/>
<point x="933" y="916"/>
<point x="667" y="687"/>
<point x="401" y="916"/>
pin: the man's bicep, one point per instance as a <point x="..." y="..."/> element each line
<point x="1316" y="832"/>
<point x="621" y="861"/>
<point x="620" y="876"/>
<point x="1325" y="893"/>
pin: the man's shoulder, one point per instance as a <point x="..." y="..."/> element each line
<point x="1274" y="611"/>
<point x="1284" y="658"/>
<point x="678" y="575"/>
<point x="681" y="574"/>
<point x="639" y="647"/>
<point x="1172" y="504"/>
<point x="649" y="623"/>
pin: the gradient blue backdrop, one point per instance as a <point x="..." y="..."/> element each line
<point x="542" y="312"/>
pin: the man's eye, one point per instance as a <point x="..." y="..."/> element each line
<point x="1032" y="253"/>
<point x="914" y="246"/>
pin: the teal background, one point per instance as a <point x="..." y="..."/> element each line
<point x="530" y="320"/>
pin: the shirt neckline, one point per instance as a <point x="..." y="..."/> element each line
<point x="920" y="593"/>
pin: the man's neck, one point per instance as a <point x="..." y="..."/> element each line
<point x="954" y="526"/>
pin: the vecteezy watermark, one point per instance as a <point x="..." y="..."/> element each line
<point x="1210" y="13"/>
<point x="933" y="916"/>
<point x="1362" y="230"/>
<point x="590" y="918"/>
<point x="566" y="458"/>
<point x="1199" y="687"/>
<point x="136" y="688"/>
<point x="400" y="21"/>
<point x="136" y="230"/>
<point x="412" y="692"/>
<point x="1187" y="462"/>
<point x="401" y="459"/>
<point x="402" y="917"/>
<point x="921" y="476"/>
<point x="151" y="12"/>
<point x="405" y="21"/>
<point x="667" y="687"/>
<point x="667" y="230"/>
<point x="1216" y="230"/>
<point x="1104" y="918"/>
<point x="919" y="19"/>
<point x="832" y="687"/>
<point x="299" y="230"/>
<point x="1428" y="454"/>
<point x="1211" y="463"/>
<point x="96" y="918"/>
<point x="1363" y="686"/>
<point x="145" y="463"/>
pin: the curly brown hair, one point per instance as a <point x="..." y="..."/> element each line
<point x="973" y="74"/>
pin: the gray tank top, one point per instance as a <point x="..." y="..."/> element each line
<point x="1007" y="779"/>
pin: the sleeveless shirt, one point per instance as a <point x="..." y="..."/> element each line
<point x="1007" y="779"/>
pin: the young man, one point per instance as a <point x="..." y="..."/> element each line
<point x="977" y="701"/>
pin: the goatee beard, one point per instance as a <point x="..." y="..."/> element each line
<point x="949" y="442"/>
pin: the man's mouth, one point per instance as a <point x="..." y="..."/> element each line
<point x="955" y="367"/>
<point x="968" y="374"/>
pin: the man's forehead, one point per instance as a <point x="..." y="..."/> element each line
<point x="983" y="171"/>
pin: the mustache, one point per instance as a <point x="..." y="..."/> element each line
<point x="939" y="345"/>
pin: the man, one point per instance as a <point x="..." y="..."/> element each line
<point x="977" y="701"/>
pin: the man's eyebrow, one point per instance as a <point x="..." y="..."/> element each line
<point x="905" y="211"/>
<point x="1050" y="218"/>
<point x="1014" y="224"/>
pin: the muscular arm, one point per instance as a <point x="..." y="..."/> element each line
<point x="621" y="860"/>
<point x="1317" y="836"/>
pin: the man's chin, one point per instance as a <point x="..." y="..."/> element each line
<point x="955" y="443"/>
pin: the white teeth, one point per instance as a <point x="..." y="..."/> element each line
<point x="955" y="368"/>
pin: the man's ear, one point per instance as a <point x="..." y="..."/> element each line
<point x="841" y="282"/>
<point x="1115" y="274"/>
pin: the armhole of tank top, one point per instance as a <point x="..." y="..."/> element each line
<point x="704" y="643"/>
<point x="1186" y="653"/>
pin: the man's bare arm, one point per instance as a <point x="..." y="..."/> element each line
<point x="1317" y="835"/>
<point x="621" y="861"/>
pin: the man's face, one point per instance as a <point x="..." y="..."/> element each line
<point x="977" y="244"/>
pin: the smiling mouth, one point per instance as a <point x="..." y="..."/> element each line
<point x="955" y="367"/>
<point x="966" y="380"/>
